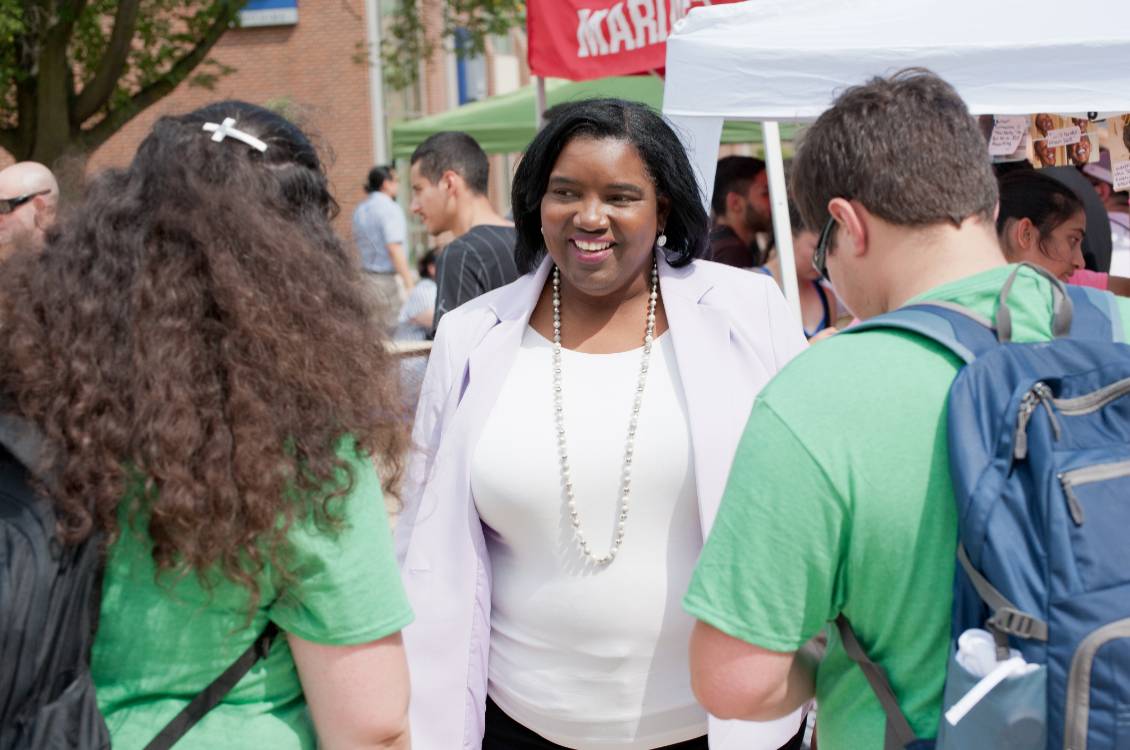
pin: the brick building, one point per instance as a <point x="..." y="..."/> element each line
<point x="308" y="60"/>
<point x="314" y="69"/>
<point x="307" y="68"/>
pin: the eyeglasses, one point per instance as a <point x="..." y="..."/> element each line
<point x="8" y="205"/>
<point x="820" y="255"/>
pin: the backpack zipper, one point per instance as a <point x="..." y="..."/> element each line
<point x="1039" y="394"/>
<point x="1094" y="400"/>
<point x="1079" y="681"/>
<point x="1086" y="475"/>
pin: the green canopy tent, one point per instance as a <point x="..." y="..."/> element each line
<point x="504" y="124"/>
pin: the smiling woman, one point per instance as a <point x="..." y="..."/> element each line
<point x="601" y="219"/>
<point x="636" y="137"/>
<point x="617" y="371"/>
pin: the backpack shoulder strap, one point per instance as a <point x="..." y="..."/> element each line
<point x="26" y="444"/>
<point x="1096" y="315"/>
<point x="1077" y="312"/>
<point x="962" y="331"/>
<point x="899" y="734"/>
<point x="210" y="697"/>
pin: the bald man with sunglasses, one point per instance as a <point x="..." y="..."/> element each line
<point x="29" y="195"/>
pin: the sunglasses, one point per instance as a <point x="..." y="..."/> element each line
<point x="820" y="255"/>
<point x="8" y="205"/>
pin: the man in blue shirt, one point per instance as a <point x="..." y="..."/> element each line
<point x="380" y="232"/>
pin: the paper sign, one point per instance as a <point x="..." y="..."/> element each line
<point x="1064" y="137"/>
<point x="1007" y="134"/>
<point x="1121" y="172"/>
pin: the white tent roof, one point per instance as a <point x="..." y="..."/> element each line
<point x="787" y="59"/>
<point x="776" y="60"/>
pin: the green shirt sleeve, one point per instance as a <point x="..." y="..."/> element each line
<point x="346" y="588"/>
<point x="770" y="572"/>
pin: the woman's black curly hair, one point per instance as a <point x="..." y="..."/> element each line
<point x="687" y="226"/>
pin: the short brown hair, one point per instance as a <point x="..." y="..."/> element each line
<point x="905" y="147"/>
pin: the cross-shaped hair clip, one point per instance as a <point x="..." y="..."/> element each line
<point x="227" y="129"/>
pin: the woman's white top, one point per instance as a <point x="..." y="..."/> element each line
<point x="590" y="657"/>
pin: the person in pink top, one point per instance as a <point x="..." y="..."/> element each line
<point x="1042" y="222"/>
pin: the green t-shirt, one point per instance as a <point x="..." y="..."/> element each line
<point x="840" y="500"/>
<point x="161" y="641"/>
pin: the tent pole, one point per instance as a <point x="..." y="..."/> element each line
<point x="539" y="101"/>
<point x="779" y="198"/>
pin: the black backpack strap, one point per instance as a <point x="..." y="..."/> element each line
<point x="899" y="734"/>
<point x="27" y="444"/>
<point x="210" y="697"/>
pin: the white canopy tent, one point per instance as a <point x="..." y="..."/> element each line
<point x="774" y="60"/>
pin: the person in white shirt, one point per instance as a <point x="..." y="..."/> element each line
<point x="574" y="433"/>
<point x="1117" y="204"/>
<point x="415" y="319"/>
<point x="415" y="324"/>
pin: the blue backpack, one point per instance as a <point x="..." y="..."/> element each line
<point x="1039" y="444"/>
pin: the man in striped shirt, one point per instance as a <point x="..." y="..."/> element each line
<point x="449" y="184"/>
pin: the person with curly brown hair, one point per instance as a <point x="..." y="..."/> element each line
<point x="197" y="345"/>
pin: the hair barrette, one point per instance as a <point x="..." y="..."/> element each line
<point x="227" y="129"/>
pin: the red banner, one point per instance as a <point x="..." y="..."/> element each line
<point x="583" y="39"/>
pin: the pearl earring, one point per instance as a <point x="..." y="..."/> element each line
<point x="661" y="240"/>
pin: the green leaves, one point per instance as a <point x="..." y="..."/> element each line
<point x="409" y="37"/>
<point x="122" y="55"/>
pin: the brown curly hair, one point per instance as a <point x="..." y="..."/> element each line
<point x="196" y="329"/>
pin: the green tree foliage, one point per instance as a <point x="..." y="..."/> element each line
<point x="406" y="40"/>
<point x="73" y="72"/>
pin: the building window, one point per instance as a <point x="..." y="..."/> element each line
<point x="470" y="71"/>
<point x="269" y="13"/>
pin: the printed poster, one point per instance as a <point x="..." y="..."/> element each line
<point x="1062" y="140"/>
<point x="1008" y="138"/>
<point x="1118" y="141"/>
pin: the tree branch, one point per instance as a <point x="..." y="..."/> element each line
<point x="10" y="141"/>
<point x="95" y="93"/>
<point x="72" y="8"/>
<point x="25" y="119"/>
<point x="158" y="89"/>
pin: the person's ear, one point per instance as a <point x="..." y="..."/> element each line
<point x="852" y="234"/>
<point x="1024" y="234"/>
<point x="451" y="181"/>
<point x="733" y="202"/>
<point x="662" y="210"/>
<point x="1104" y="190"/>
<point x="44" y="213"/>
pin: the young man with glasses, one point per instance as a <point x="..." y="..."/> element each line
<point x="840" y="500"/>
<point x="28" y="197"/>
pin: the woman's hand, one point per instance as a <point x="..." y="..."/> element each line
<point x="824" y="334"/>
<point x="358" y="695"/>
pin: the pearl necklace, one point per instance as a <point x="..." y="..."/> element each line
<point x="559" y="419"/>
